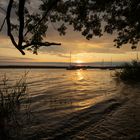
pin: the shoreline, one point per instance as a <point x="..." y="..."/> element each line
<point x="58" y="67"/>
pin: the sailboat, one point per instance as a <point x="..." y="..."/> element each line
<point x="74" y="67"/>
<point x="71" y="67"/>
<point x="102" y="65"/>
<point x="111" y="66"/>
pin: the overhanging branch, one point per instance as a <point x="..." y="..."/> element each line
<point x="1" y="27"/>
<point x="21" y="21"/>
<point x="9" y="30"/>
<point x="3" y="9"/>
<point x="51" y="4"/>
<point x="40" y="44"/>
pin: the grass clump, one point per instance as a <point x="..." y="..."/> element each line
<point x="11" y="98"/>
<point x="129" y="72"/>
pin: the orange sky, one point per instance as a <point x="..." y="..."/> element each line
<point x="82" y="50"/>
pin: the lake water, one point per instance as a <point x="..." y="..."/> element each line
<point x="58" y="97"/>
<point x="63" y="89"/>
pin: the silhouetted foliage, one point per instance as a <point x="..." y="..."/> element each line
<point x="11" y="98"/>
<point x="90" y="17"/>
<point x="29" y="27"/>
<point x="94" y="17"/>
<point x="130" y="72"/>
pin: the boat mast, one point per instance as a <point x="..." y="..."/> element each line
<point x="103" y="63"/>
<point x="70" y="58"/>
<point x="111" y="62"/>
<point x="137" y="56"/>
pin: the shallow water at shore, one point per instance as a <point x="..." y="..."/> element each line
<point x="81" y="104"/>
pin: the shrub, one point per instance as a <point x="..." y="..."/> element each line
<point x="129" y="72"/>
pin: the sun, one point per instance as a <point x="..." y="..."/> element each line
<point x="79" y="61"/>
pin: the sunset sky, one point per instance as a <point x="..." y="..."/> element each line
<point x="82" y="50"/>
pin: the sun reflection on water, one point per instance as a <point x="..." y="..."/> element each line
<point x="82" y="85"/>
<point x="80" y="74"/>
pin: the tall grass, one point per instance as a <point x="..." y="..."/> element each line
<point x="11" y="98"/>
<point x="130" y="72"/>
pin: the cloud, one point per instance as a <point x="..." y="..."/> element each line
<point x="4" y="59"/>
<point x="72" y="42"/>
<point x="75" y="43"/>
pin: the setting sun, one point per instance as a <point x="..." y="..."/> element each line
<point x="78" y="61"/>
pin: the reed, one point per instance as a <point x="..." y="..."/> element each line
<point x="11" y="98"/>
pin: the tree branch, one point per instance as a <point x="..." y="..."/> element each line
<point x="1" y="27"/>
<point x="40" y="44"/>
<point x="3" y="9"/>
<point x="21" y="21"/>
<point x="8" y="16"/>
<point x="9" y="22"/>
<point x="51" y="4"/>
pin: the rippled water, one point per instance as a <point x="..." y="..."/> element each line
<point x="59" y="97"/>
<point x="65" y="90"/>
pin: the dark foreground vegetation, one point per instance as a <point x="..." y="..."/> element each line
<point x="129" y="72"/>
<point x="11" y="98"/>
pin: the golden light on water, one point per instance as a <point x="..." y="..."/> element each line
<point x="80" y="77"/>
<point x="77" y="75"/>
<point x="80" y="74"/>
